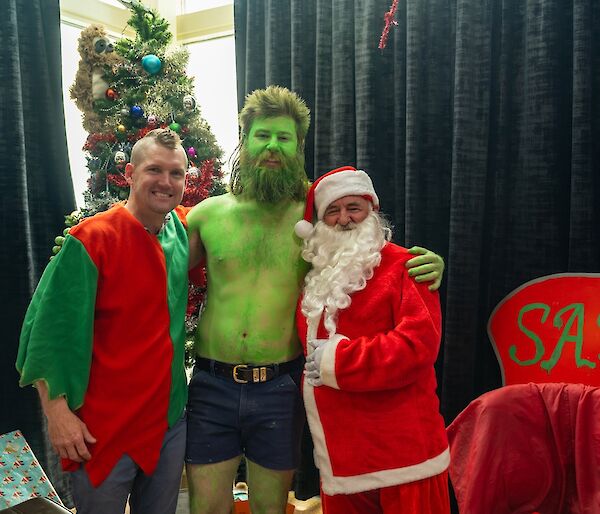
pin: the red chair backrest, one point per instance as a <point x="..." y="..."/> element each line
<point x="548" y="330"/>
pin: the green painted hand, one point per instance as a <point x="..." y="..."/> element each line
<point x="426" y="267"/>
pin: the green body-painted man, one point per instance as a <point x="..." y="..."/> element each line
<point x="244" y="396"/>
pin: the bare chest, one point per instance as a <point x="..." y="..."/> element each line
<point x="246" y="239"/>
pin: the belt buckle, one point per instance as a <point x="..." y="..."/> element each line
<point x="259" y="374"/>
<point x="234" y="373"/>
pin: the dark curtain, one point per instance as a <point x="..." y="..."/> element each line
<point x="479" y="123"/>
<point x="35" y="184"/>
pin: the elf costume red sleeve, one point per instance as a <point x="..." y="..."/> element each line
<point x="375" y="420"/>
<point x="105" y="328"/>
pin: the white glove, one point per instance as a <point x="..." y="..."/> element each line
<point x="312" y="367"/>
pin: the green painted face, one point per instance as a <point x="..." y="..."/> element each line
<point x="272" y="136"/>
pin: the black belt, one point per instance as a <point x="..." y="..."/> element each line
<point x="248" y="373"/>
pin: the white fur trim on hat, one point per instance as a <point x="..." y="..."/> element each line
<point x="303" y="229"/>
<point x="344" y="183"/>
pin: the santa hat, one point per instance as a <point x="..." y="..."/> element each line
<point x="332" y="186"/>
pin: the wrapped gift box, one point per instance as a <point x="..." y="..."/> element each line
<point x="36" y="505"/>
<point x="21" y="476"/>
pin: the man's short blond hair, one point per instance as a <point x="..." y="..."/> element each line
<point x="161" y="136"/>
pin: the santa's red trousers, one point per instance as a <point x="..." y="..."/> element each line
<point x="428" y="496"/>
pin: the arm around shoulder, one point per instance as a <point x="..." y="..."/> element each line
<point x="426" y="267"/>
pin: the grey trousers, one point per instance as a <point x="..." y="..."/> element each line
<point x="148" y="494"/>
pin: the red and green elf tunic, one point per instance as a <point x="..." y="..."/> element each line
<point x="105" y="328"/>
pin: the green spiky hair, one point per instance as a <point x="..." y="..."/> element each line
<point x="276" y="101"/>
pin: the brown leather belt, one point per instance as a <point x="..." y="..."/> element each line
<point x="248" y="373"/>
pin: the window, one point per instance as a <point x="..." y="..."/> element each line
<point x="114" y="3"/>
<point x="212" y="64"/>
<point x="76" y="135"/>
<point x="190" y="6"/>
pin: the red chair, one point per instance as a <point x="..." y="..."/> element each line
<point x="528" y="448"/>
<point x="535" y="447"/>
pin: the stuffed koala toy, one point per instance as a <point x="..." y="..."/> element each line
<point x="97" y="54"/>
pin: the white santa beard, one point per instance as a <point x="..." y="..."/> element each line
<point x="342" y="263"/>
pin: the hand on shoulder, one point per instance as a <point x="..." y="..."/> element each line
<point x="427" y="266"/>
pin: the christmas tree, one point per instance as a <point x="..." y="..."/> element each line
<point x="124" y="92"/>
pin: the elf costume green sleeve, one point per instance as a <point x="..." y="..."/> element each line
<point x="105" y="328"/>
<point x="45" y="356"/>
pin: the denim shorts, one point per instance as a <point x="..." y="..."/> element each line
<point x="263" y="421"/>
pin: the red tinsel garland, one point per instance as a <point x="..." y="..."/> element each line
<point x="93" y="139"/>
<point x="196" y="296"/>
<point x="117" y="179"/>
<point x="139" y="134"/>
<point x="198" y="187"/>
<point x="389" y="21"/>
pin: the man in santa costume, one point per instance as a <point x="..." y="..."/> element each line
<point x="371" y="335"/>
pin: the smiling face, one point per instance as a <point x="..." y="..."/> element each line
<point x="157" y="181"/>
<point x="347" y="212"/>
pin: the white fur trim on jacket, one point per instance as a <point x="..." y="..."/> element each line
<point x="368" y="481"/>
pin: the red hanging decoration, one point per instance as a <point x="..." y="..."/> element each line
<point x="139" y="134"/>
<point x="196" y="293"/>
<point x="389" y="21"/>
<point x="117" y="179"/>
<point x="198" y="185"/>
<point x="95" y="138"/>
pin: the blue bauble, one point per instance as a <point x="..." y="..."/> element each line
<point x="151" y="64"/>
<point x="136" y="111"/>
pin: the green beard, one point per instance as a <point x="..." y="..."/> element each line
<point x="271" y="185"/>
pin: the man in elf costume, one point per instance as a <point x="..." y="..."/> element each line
<point x="244" y="394"/>
<point x="103" y="341"/>
<point x="372" y="336"/>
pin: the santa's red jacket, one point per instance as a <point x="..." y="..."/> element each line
<point x="375" y="420"/>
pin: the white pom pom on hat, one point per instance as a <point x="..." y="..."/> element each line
<point x="345" y="181"/>
<point x="303" y="229"/>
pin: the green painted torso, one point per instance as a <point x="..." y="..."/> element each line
<point x="255" y="273"/>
